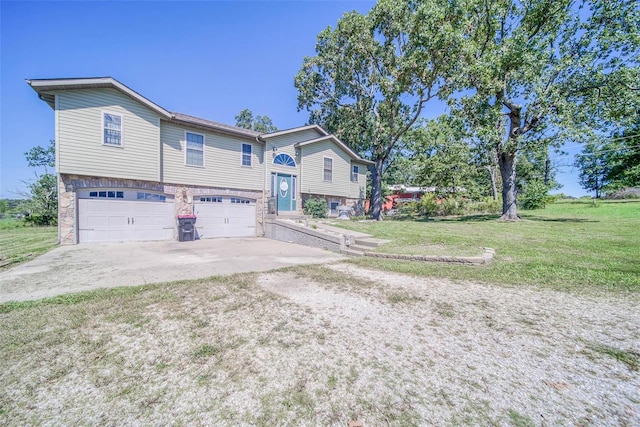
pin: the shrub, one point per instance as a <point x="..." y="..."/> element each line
<point x="428" y="205"/>
<point x="534" y="195"/>
<point x="315" y="207"/>
<point x="408" y="209"/>
<point x="485" y="206"/>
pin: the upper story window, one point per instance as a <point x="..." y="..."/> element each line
<point x="354" y="173"/>
<point x="112" y="129"/>
<point x="246" y="154"/>
<point x="285" y="160"/>
<point x="328" y="169"/>
<point x="195" y="149"/>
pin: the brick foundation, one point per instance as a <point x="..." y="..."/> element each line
<point x="184" y="195"/>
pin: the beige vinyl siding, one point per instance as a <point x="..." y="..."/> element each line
<point x="80" y="136"/>
<point x="359" y="189"/>
<point x="285" y="144"/>
<point x="222" y="160"/>
<point x="313" y="170"/>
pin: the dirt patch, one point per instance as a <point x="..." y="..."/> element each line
<point x="322" y="346"/>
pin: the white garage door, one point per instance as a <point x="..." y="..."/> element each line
<point x="124" y="220"/>
<point x="225" y="217"/>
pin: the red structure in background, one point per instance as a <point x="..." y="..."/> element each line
<point x="402" y="194"/>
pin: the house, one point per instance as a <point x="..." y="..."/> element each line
<point x="127" y="167"/>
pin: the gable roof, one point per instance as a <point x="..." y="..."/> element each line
<point x="44" y="87"/>
<point x="334" y="139"/>
<point x="294" y="130"/>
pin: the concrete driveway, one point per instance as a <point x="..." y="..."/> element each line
<point x="91" y="266"/>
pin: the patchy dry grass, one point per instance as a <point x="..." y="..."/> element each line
<point x="320" y="346"/>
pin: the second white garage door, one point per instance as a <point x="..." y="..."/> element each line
<point x="225" y="217"/>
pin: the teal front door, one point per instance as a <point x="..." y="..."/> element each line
<point x="284" y="189"/>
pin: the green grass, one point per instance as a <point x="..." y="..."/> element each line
<point x="20" y="243"/>
<point x="569" y="245"/>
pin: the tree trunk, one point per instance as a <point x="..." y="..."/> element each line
<point x="507" y="163"/>
<point x="492" y="176"/>
<point x="547" y="169"/>
<point x="376" y="191"/>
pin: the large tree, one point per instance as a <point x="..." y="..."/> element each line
<point x="263" y="124"/>
<point x="374" y="74"/>
<point x="593" y="169"/>
<point x="611" y="164"/>
<point x="552" y="67"/>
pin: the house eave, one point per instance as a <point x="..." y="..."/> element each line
<point x="45" y="88"/>
<point x="293" y="130"/>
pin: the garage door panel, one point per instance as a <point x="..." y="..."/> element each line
<point x="122" y="220"/>
<point x="225" y="219"/>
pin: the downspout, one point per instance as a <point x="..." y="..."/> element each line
<point x="264" y="181"/>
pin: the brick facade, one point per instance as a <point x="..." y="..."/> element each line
<point x="184" y="195"/>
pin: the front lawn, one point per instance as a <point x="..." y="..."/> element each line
<point x="19" y="243"/>
<point x="569" y="245"/>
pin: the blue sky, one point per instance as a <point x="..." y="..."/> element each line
<point x="208" y="59"/>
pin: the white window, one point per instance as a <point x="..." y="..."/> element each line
<point x="246" y="154"/>
<point x="107" y="194"/>
<point x="328" y="169"/>
<point x="195" y="149"/>
<point x="152" y="197"/>
<point x="354" y="173"/>
<point x="112" y="129"/>
<point x="237" y="200"/>
<point x="211" y="199"/>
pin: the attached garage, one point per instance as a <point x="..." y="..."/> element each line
<point x="124" y="216"/>
<point x="223" y="216"/>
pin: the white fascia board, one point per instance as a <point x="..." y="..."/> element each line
<point x="293" y="130"/>
<point x="42" y="86"/>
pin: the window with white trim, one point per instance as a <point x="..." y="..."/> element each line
<point x="195" y="149"/>
<point x="151" y="196"/>
<point x="211" y="199"/>
<point x="355" y="170"/>
<point x="237" y="200"/>
<point x="328" y="169"/>
<point x="107" y="194"/>
<point x="285" y="160"/>
<point x="112" y="129"/>
<point x="246" y="154"/>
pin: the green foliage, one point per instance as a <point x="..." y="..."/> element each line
<point x="612" y="164"/>
<point x="374" y="73"/>
<point x="42" y="156"/>
<point x="593" y="168"/>
<point x="444" y="157"/>
<point x="42" y="206"/>
<point x="262" y="124"/>
<point x="316" y="207"/>
<point x="534" y="196"/>
<point x="4" y="206"/>
<point x="560" y="68"/>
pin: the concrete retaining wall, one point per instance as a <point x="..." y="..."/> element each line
<point x="286" y="231"/>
